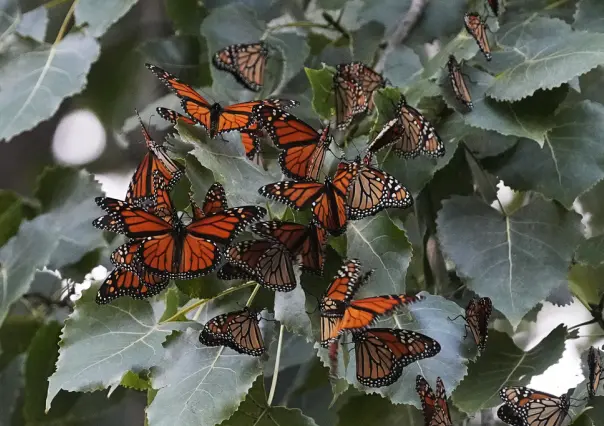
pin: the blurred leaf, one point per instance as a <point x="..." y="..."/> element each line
<point x="542" y="54"/>
<point x="365" y="42"/>
<point x="294" y="50"/>
<point x="172" y="298"/>
<point x="379" y="244"/>
<point x="372" y="410"/>
<point x="255" y="411"/>
<point x="560" y="296"/>
<point x="200" y="384"/>
<point x="11" y="215"/>
<point x="187" y="15"/>
<point x="11" y="383"/>
<point x="321" y="81"/>
<point x="69" y="209"/>
<point x="15" y="336"/>
<point x="590" y="16"/>
<point x="10" y="15"/>
<point x="290" y="311"/>
<point x="504" y="364"/>
<point x="439" y="20"/>
<point x="591" y="251"/>
<point x="402" y="67"/>
<point x="33" y="24"/>
<point x="525" y="256"/>
<point x="586" y="283"/>
<point x="525" y="10"/>
<point x="551" y="170"/>
<point x="100" y="343"/>
<point x="429" y="317"/>
<point x="179" y="54"/>
<point x="592" y="209"/>
<point x="100" y="16"/>
<point x="591" y="88"/>
<point x="40" y="79"/>
<point x="388" y="12"/>
<point x="295" y="351"/>
<point x="331" y="4"/>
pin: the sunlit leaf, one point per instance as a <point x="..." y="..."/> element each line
<point x="34" y="84"/>
<point x="504" y="364"/>
<point x="542" y="54"/>
<point x="98" y="17"/>
<point x="515" y="260"/>
<point x="200" y="384"/>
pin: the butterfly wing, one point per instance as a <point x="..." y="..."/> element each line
<point x="494" y="4"/>
<point x="594" y="363"/>
<point x="368" y="79"/>
<point x="172" y="116"/>
<point x="244" y="333"/>
<point x="535" y="408"/>
<point x="477" y="29"/>
<point x="297" y="195"/>
<point x="223" y="226"/>
<point x="364" y="312"/>
<point x="123" y="282"/>
<point x="246" y="62"/>
<point x="462" y="93"/>
<point x="275" y="270"/>
<point x="507" y="415"/>
<point x="478" y="313"/>
<point x="134" y="222"/>
<point x="350" y="99"/>
<point x="443" y="416"/>
<point x="428" y="399"/>
<point x="313" y="250"/>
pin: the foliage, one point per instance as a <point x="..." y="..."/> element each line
<point x="537" y="125"/>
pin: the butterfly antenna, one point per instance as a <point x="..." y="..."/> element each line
<point x="458" y="316"/>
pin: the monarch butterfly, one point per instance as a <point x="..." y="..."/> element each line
<point x="238" y="330"/>
<point x="340" y="313"/>
<point x="477" y="29"/>
<point x="535" y="408"/>
<point x="494" y="6"/>
<point x="168" y="247"/>
<point x="246" y="62"/>
<point x="215" y="118"/>
<point x="308" y="242"/>
<point x="141" y="189"/>
<point x="458" y="83"/>
<point x="270" y="264"/>
<point x="250" y="137"/>
<point x="507" y="415"/>
<point x="328" y="200"/>
<point x="303" y="147"/>
<point x="478" y="312"/>
<point x="373" y="190"/>
<point x="354" y="85"/>
<point x="410" y="133"/>
<point x="125" y="282"/>
<point x="382" y="353"/>
<point x="434" y="406"/>
<point x="594" y="364"/>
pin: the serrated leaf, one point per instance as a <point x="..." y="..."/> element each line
<point x="134" y="381"/>
<point x="255" y="411"/>
<point x="100" y="343"/>
<point x="372" y="410"/>
<point x="321" y="81"/>
<point x="551" y="170"/>
<point x="504" y="364"/>
<point x="591" y="251"/>
<point x="525" y="256"/>
<point x="430" y="317"/>
<point x="590" y="16"/>
<point x="11" y="382"/>
<point x="49" y="237"/>
<point x="290" y="311"/>
<point x="542" y="54"/>
<point x="379" y="244"/>
<point x="199" y="384"/>
<point x="36" y="82"/>
<point x="100" y="16"/>
<point x="33" y="24"/>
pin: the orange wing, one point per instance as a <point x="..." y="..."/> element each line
<point x="126" y="219"/>
<point x="367" y="78"/>
<point x="173" y="116"/>
<point x="330" y="210"/>
<point x="297" y="195"/>
<point x="238" y="330"/>
<point x="428" y="399"/>
<point x="250" y="139"/>
<point x="363" y="312"/>
<point x="223" y="226"/>
<point x="350" y="100"/>
<point x="122" y="282"/>
<point x="477" y="29"/>
<point x="462" y="93"/>
<point x="246" y="62"/>
<point x="214" y="202"/>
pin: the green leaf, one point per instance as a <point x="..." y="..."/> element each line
<point x="200" y="384"/>
<point x="39" y="365"/>
<point x="99" y="344"/>
<point x="255" y="411"/>
<point x="590" y="16"/>
<point x="551" y="170"/>
<point x="526" y="10"/>
<point x="402" y="67"/>
<point x="40" y="79"/>
<point x="592" y="209"/>
<point x="430" y="317"/>
<point x="293" y="50"/>
<point x="187" y="15"/>
<point x="586" y="283"/>
<point x="11" y="382"/>
<point x="590" y="86"/>
<point x="542" y="54"/>
<point x="69" y="210"/>
<point x="379" y="244"/>
<point x="504" y="364"/>
<point x="372" y="410"/>
<point x="134" y="381"/>
<point x="366" y="40"/>
<point x="33" y="24"/>
<point x="100" y="16"/>
<point x="591" y="251"/>
<point x="290" y="311"/>
<point x="15" y="336"/>
<point x="321" y="81"/>
<point x="11" y="214"/>
<point x="525" y="256"/>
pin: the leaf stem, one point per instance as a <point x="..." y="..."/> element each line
<point x="201" y="302"/>
<point x="253" y="295"/>
<point x="271" y="393"/>
<point x="299" y="24"/>
<point x="66" y="20"/>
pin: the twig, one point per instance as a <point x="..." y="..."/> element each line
<point x="402" y="30"/>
